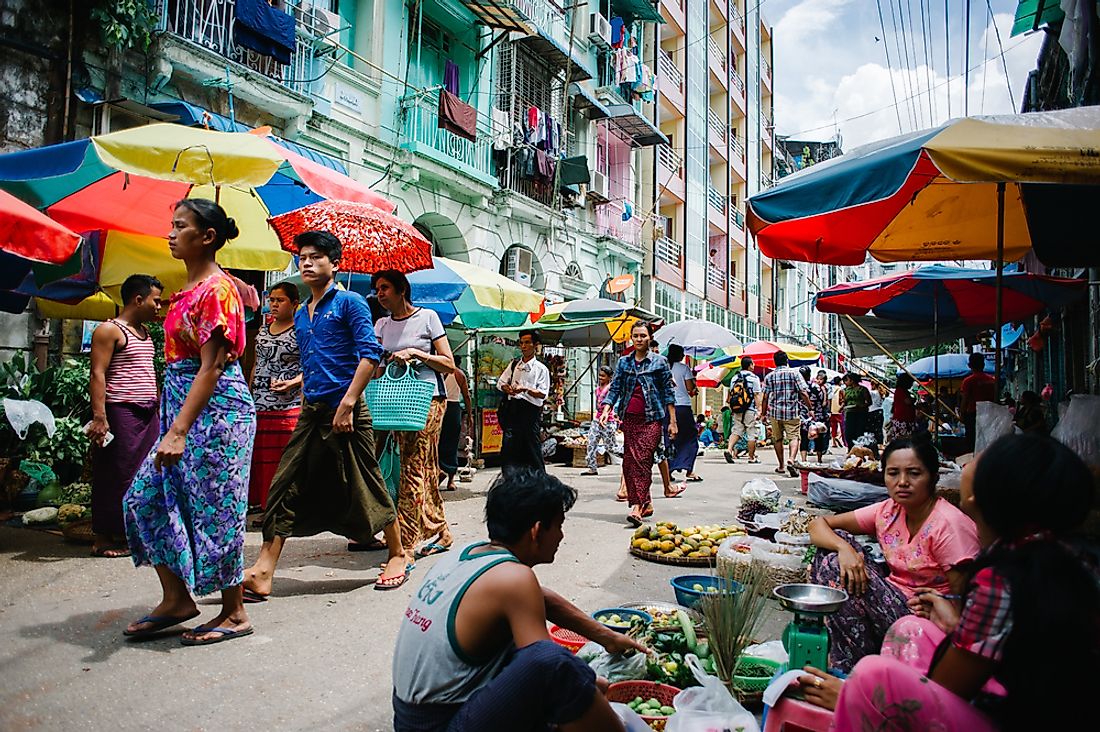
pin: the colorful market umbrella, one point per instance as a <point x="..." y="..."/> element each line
<point x="698" y="337"/>
<point x="593" y="308"/>
<point x="763" y="355"/>
<point x="373" y="239"/>
<point x="951" y="366"/>
<point x="949" y="295"/>
<point x="712" y="377"/>
<point x="933" y="195"/>
<point x="125" y="183"/>
<point x="31" y="235"/>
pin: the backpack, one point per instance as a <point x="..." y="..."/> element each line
<point x="740" y="397"/>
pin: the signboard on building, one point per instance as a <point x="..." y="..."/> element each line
<point x="492" y="436"/>
<point x="348" y="98"/>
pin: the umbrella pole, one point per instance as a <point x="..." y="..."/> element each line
<point x="1000" y="289"/>
<point x="936" y="356"/>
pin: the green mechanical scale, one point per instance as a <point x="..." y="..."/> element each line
<point x="806" y="637"/>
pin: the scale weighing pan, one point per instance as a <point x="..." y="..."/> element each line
<point x="808" y="598"/>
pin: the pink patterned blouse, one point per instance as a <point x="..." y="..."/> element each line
<point x="195" y="314"/>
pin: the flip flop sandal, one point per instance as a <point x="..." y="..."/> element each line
<point x="431" y="549"/>
<point x="371" y="546"/>
<point x="754" y="461"/>
<point x="111" y="553"/>
<point x="780" y="471"/>
<point x="253" y="597"/>
<point x="647" y="511"/>
<point x="224" y="634"/>
<point x="694" y="479"/>
<point x="677" y="492"/>
<point x="383" y="584"/>
<point x="160" y="623"/>
<point x="634" y="519"/>
<point x="621" y="498"/>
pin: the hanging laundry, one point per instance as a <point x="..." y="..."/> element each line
<point x="617" y="32"/>
<point x="457" y="116"/>
<point x="450" y="77"/>
<point x="265" y="30"/>
<point x="628" y="210"/>
<point x="502" y="129"/>
<point x="575" y="170"/>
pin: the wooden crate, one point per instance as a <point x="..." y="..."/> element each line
<point x="580" y="458"/>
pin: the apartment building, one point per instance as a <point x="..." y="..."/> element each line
<point x="713" y="61"/>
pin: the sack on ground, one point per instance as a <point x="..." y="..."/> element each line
<point x="992" y="422"/>
<point x="761" y="489"/>
<point x="708" y="707"/>
<point x="842" y="495"/>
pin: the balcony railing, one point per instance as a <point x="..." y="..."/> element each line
<point x="766" y="71"/>
<point x="716" y="279"/>
<point x="736" y="19"/>
<point x="717" y="132"/>
<point x="668" y="251"/>
<point x="736" y="144"/>
<point x="716" y="200"/>
<point x="421" y="125"/>
<point x="716" y="52"/>
<point x="737" y="289"/>
<point x="670" y="160"/>
<point x="737" y="81"/>
<point x="737" y="218"/>
<point x="766" y="181"/>
<point x="667" y="68"/>
<point x="209" y="23"/>
<point x="609" y="222"/>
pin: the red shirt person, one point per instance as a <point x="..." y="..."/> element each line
<point x="977" y="387"/>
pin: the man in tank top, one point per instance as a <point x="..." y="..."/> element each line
<point x="473" y="652"/>
<point x="124" y="396"/>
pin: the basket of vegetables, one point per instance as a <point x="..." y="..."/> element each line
<point x="670" y="647"/>
<point x="652" y="701"/>
<point x="752" y="675"/>
<point x="621" y="619"/>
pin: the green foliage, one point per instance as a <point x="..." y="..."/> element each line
<point x="156" y="332"/>
<point x="125" y="25"/>
<point x="67" y="449"/>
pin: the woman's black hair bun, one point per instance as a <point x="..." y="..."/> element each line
<point x="231" y="230"/>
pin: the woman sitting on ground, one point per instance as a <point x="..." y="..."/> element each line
<point x="1019" y="651"/>
<point x="923" y="537"/>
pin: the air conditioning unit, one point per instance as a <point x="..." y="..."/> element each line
<point x="518" y="266"/>
<point x="599" y="30"/>
<point x="598" y="188"/>
<point x="319" y="22"/>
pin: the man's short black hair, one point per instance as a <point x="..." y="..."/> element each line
<point x="139" y="284"/>
<point x="523" y="497"/>
<point x="781" y="358"/>
<point x="976" y="361"/>
<point x="533" y="333"/>
<point x="746" y="363"/>
<point x="323" y="241"/>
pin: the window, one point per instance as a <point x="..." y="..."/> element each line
<point x="666" y="302"/>
<point x="574" y="270"/>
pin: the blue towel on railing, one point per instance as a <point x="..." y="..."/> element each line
<point x="265" y="30"/>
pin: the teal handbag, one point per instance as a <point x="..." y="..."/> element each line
<point x="399" y="403"/>
<point x="389" y="463"/>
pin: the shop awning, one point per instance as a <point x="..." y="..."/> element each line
<point x="585" y="101"/>
<point x="634" y="125"/>
<point x="501" y="15"/>
<point x="547" y="47"/>
<point x="1032" y="14"/>
<point x="194" y="116"/>
<point x="637" y="10"/>
<point x="897" y="336"/>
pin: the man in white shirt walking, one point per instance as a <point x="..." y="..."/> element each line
<point x="525" y="383"/>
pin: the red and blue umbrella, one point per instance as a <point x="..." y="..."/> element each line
<point x="950" y="295"/>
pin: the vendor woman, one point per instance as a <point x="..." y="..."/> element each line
<point x="923" y="537"/>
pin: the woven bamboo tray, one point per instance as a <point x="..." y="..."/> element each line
<point x="679" y="561"/>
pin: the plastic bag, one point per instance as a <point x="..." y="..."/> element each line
<point x="842" y="495"/>
<point x="1079" y="428"/>
<point x="613" y="667"/>
<point x="761" y="489"/>
<point x="630" y="719"/>
<point x="992" y="422"/>
<point x="772" y="651"/>
<point x="708" y="707"/>
<point x="22" y="414"/>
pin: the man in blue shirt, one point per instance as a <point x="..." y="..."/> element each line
<point x="328" y="478"/>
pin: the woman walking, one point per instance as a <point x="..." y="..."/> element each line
<point x="185" y="510"/>
<point x="458" y="415"/>
<point x="856" y="402"/>
<point x="415" y="336"/>
<point x="903" y="420"/>
<point x="685" y="447"/>
<point x="641" y="396"/>
<point x="276" y="389"/>
<point x="601" y="432"/>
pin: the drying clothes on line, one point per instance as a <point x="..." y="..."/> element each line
<point x="536" y="127"/>
<point x="628" y="210"/>
<point x="502" y="129"/>
<point x="626" y="66"/>
<point x="575" y="170"/>
<point x="265" y="30"/>
<point x="544" y="165"/>
<point x="457" y="116"/>
<point x="450" y="77"/>
<point x="617" y="32"/>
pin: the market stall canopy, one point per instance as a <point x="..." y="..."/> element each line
<point x="950" y="295"/>
<point x="31" y="235"/>
<point x="932" y="195"/>
<point x="697" y="337"/>
<point x="592" y="308"/>
<point x="951" y="366"/>
<point x="763" y="355"/>
<point x="898" y="336"/>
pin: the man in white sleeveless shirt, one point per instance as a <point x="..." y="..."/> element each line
<point x="473" y="652"/>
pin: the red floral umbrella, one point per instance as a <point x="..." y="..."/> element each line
<point x="27" y="233"/>
<point x="373" y="239"/>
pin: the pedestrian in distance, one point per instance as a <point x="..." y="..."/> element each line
<point x="414" y="336"/>
<point x="856" y="402"/>
<point x="601" y="432"/>
<point x="457" y="419"/>
<point x="525" y="383"/>
<point x="328" y="478"/>
<point x="641" y="396"/>
<point x="276" y="388"/>
<point x="123" y="391"/>
<point x="836" y="411"/>
<point x="745" y="399"/>
<point x="685" y="448"/>
<point x="784" y="391"/>
<point x="978" y="386"/>
<point x="185" y="510"/>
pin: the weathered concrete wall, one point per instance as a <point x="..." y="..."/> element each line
<point x="33" y="34"/>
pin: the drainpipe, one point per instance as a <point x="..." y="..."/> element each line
<point x="1092" y="376"/>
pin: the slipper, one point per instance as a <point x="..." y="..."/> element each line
<point x="676" y="492"/>
<point x="728" y="456"/>
<point x="590" y="471"/>
<point x="371" y="546"/>
<point x="160" y="622"/>
<point x="620" y="498"/>
<point x="780" y="471"/>
<point x="647" y="511"/>
<point x="430" y="549"/>
<point x="634" y="519"/>
<point x="252" y="597"/>
<point x="111" y="553"/>
<point x="792" y="471"/>
<point x="224" y="634"/>
<point x="391" y="583"/>
<point x="754" y="461"/>
<point x="694" y="479"/>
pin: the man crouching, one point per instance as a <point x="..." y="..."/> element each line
<point x="473" y="652"/>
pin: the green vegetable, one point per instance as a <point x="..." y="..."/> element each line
<point x="667" y="711"/>
<point x="689" y="630"/>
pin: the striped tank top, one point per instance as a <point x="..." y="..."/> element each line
<point x="131" y="376"/>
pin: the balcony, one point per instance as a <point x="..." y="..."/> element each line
<point x="766" y="73"/>
<point x="670" y="173"/>
<point x="670" y="82"/>
<point x="609" y="223"/>
<point x="668" y="252"/>
<point x="737" y="81"/>
<point x="717" y="61"/>
<point x="737" y="146"/>
<point x="737" y="22"/>
<point x="737" y="302"/>
<point x="723" y="7"/>
<point x="673" y="12"/>
<point x="716" y="209"/>
<point x="767" y="315"/>
<point x="717" y="285"/>
<point x="520" y="16"/>
<point x="208" y="24"/>
<point x="423" y="135"/>
<point x="766" y="181"/>
<point x="737" y="218"/>
<point x="716" y="135"/>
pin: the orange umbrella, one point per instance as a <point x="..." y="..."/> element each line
<point x="27" y="233"/>
<point x="372" y="239"/>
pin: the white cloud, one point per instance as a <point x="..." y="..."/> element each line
<point x="835" y="78"/>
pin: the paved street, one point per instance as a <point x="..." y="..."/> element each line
<point x="320" y="657"/>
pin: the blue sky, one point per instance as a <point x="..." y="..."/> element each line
<point x="831" y="73"/>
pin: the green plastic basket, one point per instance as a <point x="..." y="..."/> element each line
<point x="399" y="403"/>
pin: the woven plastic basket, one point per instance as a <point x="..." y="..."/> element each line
<point x="399" y="403"/>
<point x="567" y="639"/>
<point x="624" y="691"/>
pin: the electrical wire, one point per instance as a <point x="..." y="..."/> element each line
<point x="905" y="76"/>
<point x="929" y="56"/>
<point x="889" y="66"/>
<point x="1004" y="62"/>
<point x="947" y="48"/>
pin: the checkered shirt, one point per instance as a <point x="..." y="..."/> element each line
<point x="783" y="386"/>
<point x="986" y="619"/>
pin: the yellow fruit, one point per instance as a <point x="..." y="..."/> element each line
<point x="716" y="536"/>
<point x="676" y="553"/>
<point x="694" y="554"/>
<point x="706" y="543"/>
<point x="637" y="543"/>
<point x="691" y="544"/>
<point x="641" y="532"/>
<point x="646" y="546"/>
<point x="677" y="540"/>
<point x="663" y="531"/>
<point x="667" y="546"/>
